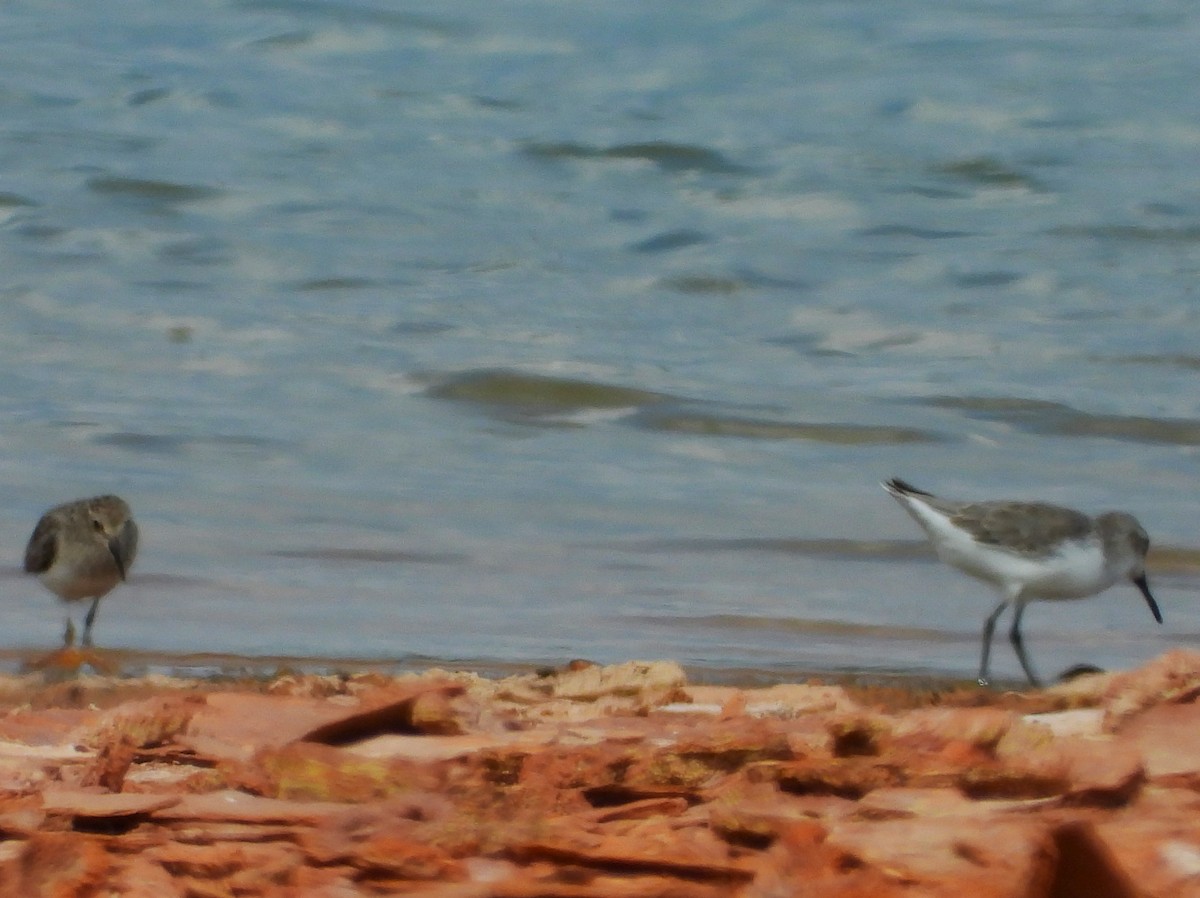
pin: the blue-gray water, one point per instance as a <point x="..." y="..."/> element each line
<point x="522" y="331"/>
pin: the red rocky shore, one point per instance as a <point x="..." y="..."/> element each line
<point x="599" y="781"/>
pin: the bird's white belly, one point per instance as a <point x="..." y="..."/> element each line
<point x="73" y="584"/>
<point x="1077" y="570"/>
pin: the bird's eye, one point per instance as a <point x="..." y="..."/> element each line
<point x="97" y="526"/>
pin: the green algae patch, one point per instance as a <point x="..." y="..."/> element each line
<point x="516" y="394"/>
<point x="715" y="425"/>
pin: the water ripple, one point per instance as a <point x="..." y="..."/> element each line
<point x="669" y="157"/>
<point x="162" y="193"/>
<point x="375" y="556"/>
<point x="1045" y="418"/>
<point x="716" y="425"/>
<point x="802" y="626"/>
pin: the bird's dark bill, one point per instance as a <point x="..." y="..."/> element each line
<point x="1140" y="583"/>
<point x="114" y="548"/>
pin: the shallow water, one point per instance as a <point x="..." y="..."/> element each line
<point x="513" y="333"/>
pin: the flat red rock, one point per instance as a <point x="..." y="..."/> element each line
<point x="79" y="803"/>
<point x="231" y="806"/>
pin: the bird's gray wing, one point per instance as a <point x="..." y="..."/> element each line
<point x="43" y="546"/>
<point x="1029" y="528"/>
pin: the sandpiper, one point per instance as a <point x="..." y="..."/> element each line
<point x="1030" y="551"/>
<point x="81" y="550"/>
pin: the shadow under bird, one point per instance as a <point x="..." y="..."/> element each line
<point x="1030" y="551"/>
<point x="82" y="550"/>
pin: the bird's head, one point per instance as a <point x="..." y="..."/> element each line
<point x="1126" y="544"/>
<point x="113" y="526"/>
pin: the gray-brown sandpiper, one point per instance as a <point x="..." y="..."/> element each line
<point x="1030" y="551"/>
<point x="81" y="550"/>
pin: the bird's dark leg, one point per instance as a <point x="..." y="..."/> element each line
<point x="989" y="628"/>
<point x="88" y="621"/>
<point x="69" y="633"/>
<point x="1014" y="636"/>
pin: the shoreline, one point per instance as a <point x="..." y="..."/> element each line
<point x="230" y="667"/>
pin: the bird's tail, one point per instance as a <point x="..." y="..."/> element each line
<point x="898" y="487"/>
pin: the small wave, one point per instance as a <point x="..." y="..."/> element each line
<point x="347" y="14"/>
<point x="987" y="172"/>
<point x="856" y="549"/>
<point x="707" y="424"/>
<point x="974" y="279"/>
<point x="9" y="200"/>
<point x="421" y="328"/>
<point x="376" y="556"/>
<point x="670" y="157"/>
<point x="1161" y="560"/>
<point x="197" y="251"/>
<point x="904" y="230"/>
<point x="177" y="444"/>
<point x="86" y="141"/>
<point x="804" y="626"/>
<point x="334" y="283"/>
<point x="1170" y="360"/>
<point x="704" y="284"/>
<point x="1131" y="233"/>
<point x="149" y="190"/>
<point x="284" y="40"/>
<point x="668" y="241"/>
<point x="1056" y="419"/>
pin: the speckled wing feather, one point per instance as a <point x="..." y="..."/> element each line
<point x="43" y="546"/>
<point x="1029" y="528"/>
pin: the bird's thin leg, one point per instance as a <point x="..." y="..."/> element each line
<point x="69" y="633"/>
<point x="1015" y="636"/>
<point x="88" y="621"/>
<point x="989" y="628"/>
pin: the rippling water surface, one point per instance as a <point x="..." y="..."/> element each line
<point x="510" y="332"/>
